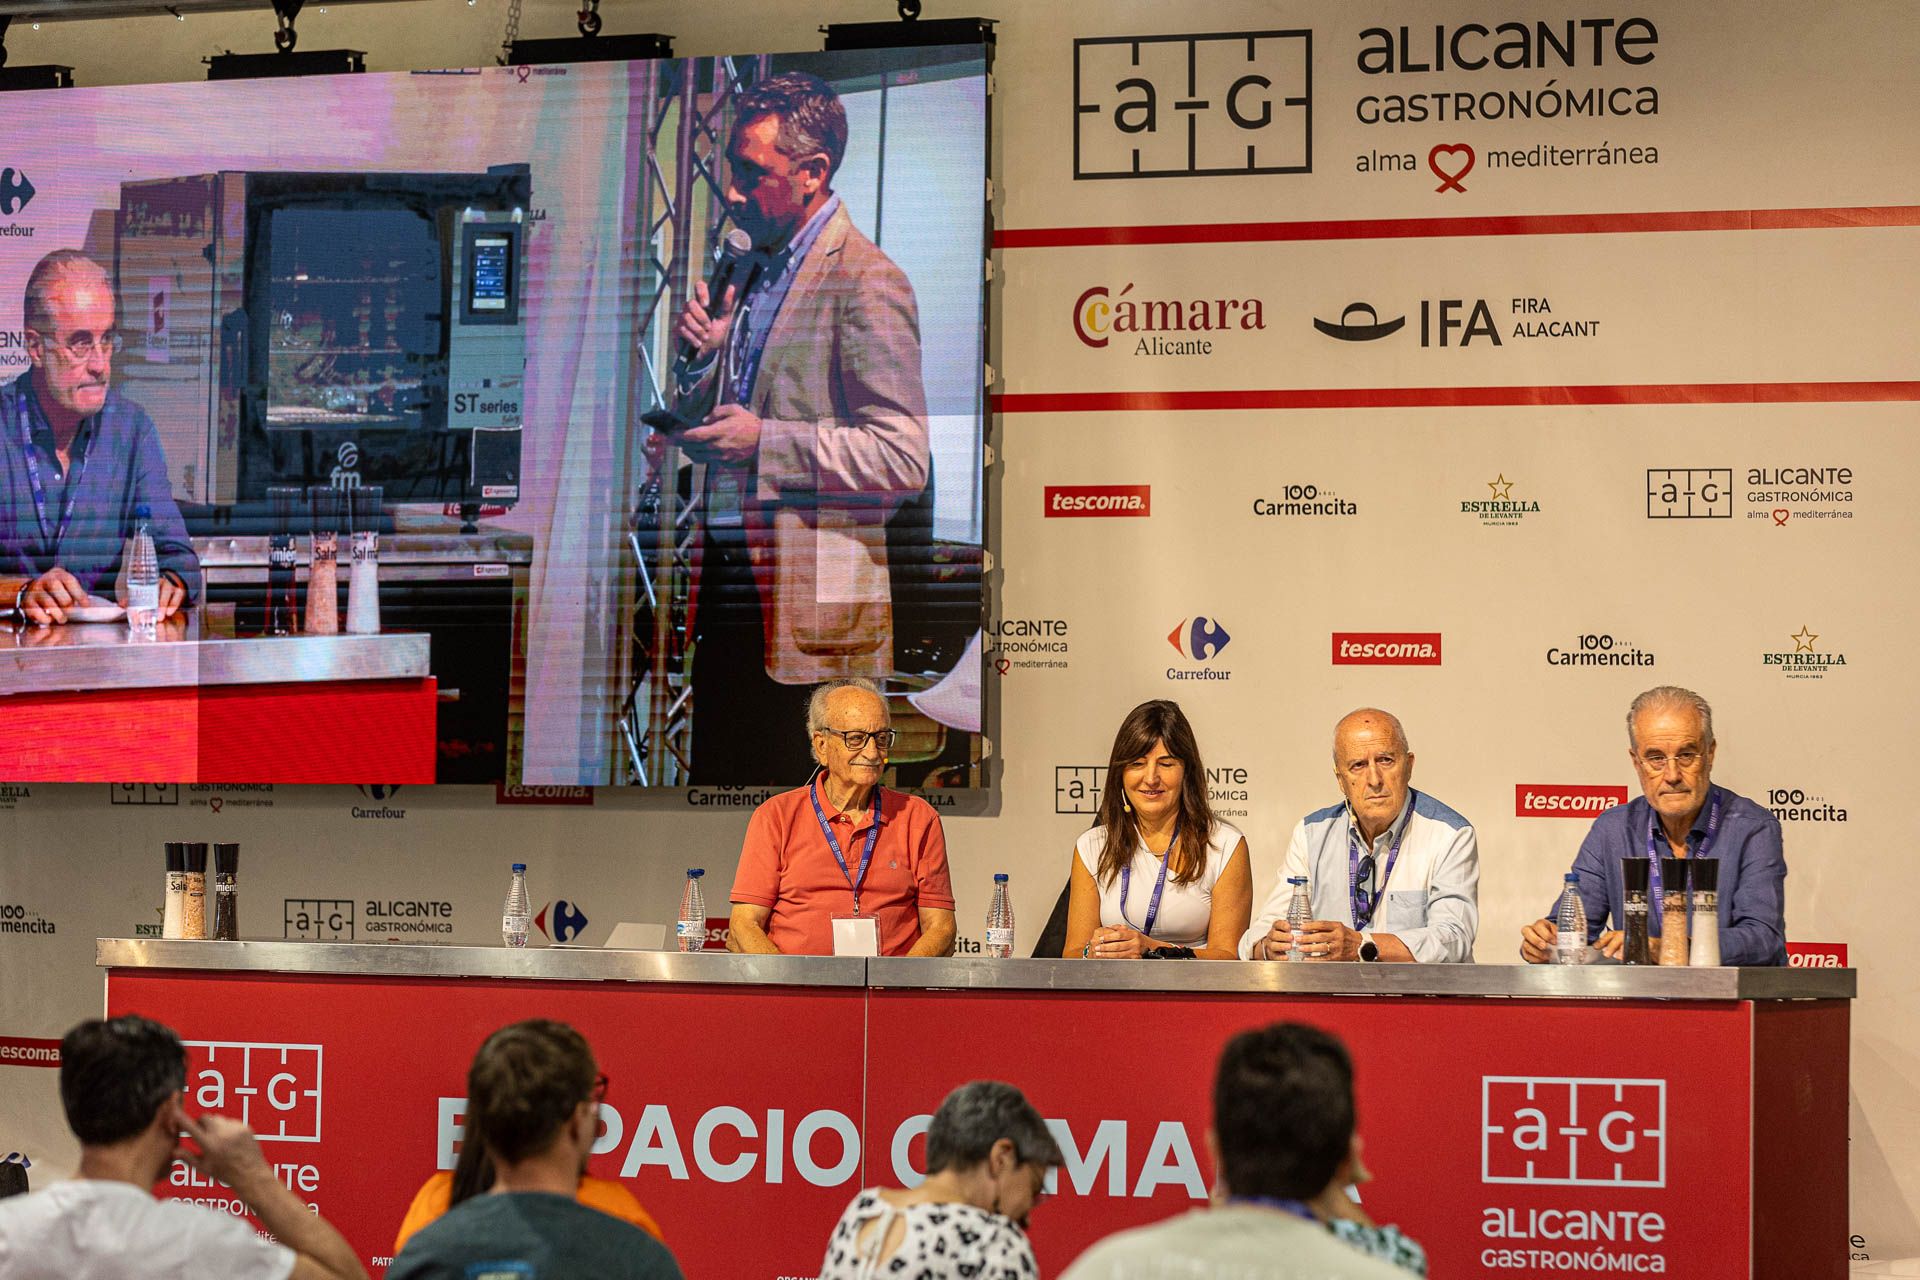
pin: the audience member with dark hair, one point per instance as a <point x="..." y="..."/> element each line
<point x="533" y="1102"/>
<point x="472" y="1175"/>
<point x="1284" y="1145"/>
<point x="988" y="1153"/>
<point x="13" y="1179"/>
<point x="120" y="1083"/>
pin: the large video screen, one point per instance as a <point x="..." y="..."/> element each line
<point x="549" y="426"/>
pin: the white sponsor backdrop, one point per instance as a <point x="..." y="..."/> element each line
<point x="1708" y="354"/>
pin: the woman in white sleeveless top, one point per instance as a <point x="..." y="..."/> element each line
<point x="1158" y="870"/>
<point x="988" y="1153"/>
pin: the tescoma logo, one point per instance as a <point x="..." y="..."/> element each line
<point x="273" y="1088"/>
<point x="1573" y="1131"/>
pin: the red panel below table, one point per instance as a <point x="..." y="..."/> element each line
<point x="319" y="731"/>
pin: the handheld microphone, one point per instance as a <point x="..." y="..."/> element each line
<point x="727" y="256"/>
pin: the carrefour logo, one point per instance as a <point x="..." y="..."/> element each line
<point x="1199" y="638"/>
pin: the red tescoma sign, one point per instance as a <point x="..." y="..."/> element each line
<point x="1099" y="500"/>
<point x="1545" y="800"/>
<point x="1817" y="955"/>
<point x="1386" y="648"/>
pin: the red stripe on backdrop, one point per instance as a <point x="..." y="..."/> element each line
<point x="1454" y="397"/>
<point x="1546" y="224"/>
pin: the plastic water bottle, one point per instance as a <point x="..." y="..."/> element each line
<point x="516" y="917"/>
<point x="1570" y="918"/>
<point x="999" y="920"/>
<point x="143" y="579"/>
<point x="1299" y="911"/>
<point x="692" y="929"/>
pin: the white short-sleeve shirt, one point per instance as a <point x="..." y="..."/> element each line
<point x="1185" y="909"/>
<point x="94" y="1229"/>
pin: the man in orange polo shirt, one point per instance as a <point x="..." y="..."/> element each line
<point x="844" y="846"/>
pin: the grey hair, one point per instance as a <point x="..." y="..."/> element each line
<point x="1667" y="696"/>
<point x="1399" y="731"/>
<point x="37" y="308"/>
<point x="979" y="1114"/>
<point x="817" y="704"/>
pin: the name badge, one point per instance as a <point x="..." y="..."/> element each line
<point x="856" y="936"/>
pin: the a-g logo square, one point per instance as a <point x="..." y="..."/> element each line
<point x="1567" y="1131"/>
<point x="1076" y="787"/>
<point x="274" y="1088"/>
<point x="1193" y="105"/>
<point x="318" y="919"/>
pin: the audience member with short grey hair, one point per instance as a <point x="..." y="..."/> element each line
<point x="988" y="1153"/>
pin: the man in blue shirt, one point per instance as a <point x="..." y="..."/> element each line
<point x="78" y="459"/>
<point x="1682" y="815"/>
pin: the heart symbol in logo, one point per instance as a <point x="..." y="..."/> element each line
<point x="523" y="73"/>
<point x="1780" y="515"/>
<point x="1449" y="176"/>
<point x="214" y="803"/>
<point x="1002" y="665"/>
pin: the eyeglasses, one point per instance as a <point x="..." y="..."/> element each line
<point x="1656" y="761"/>
<point x="856" y="739"/>
<point x="82" y="346"/>
<point x="1363" y="892"/>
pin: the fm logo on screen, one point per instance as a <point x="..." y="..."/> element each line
<point x="1540" y="800"/>
<point x="1199" y="638"/>
<point x="1351" y="330"/>
<point x="1569" y="1131"/>
<point x="273" y="1088"/>
<point x="15" y="191"/>
<point x="568" y="920"/>
<point x="345" y="473"/>
<point x="1098" y="500"/>
<point x="1223" y="104"/>
<point x="1386" y="648"/>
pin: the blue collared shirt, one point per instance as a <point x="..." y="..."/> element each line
<point x="1752" y="884"/>
<point x="762" y="304"/>
<point x="125" y="469"/>
<point x="1432" y="900"/>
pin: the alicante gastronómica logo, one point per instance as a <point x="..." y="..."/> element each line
<point x="1807" y="659"/>
<point x="1599" y="649"/>
<point x="1199" y="640"/>
<point x="1028" y="644"/>
<point x="1077" y="787"/>
<point x="1502" y="506"/>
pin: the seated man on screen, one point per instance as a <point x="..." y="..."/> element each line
<point x="1681" y="814"/>
<point x="78" y="459"/>
<point x="1391" y="874"/>
<point x="818" y="435"/>
<point x="844" y="846"/>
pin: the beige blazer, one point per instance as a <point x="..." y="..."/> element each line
<point x="843" y="442"/>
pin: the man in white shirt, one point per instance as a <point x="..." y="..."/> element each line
<point x="1392" y="874"/>
<point x="1282" y="1139"/>
<point x="120" y="1084"/>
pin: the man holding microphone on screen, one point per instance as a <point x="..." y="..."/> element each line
<point x="817" y="435"/>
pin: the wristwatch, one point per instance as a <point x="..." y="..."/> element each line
<point x="1369" y="950"/>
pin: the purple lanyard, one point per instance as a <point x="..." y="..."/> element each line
<point x="1159" y="886"/>
<point x="74" y="476"/>
<point x="1386" y="873"/>
<point x="1653" y="853"/>
<point x="833" y="843"/>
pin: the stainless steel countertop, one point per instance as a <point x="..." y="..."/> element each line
<point x="489" y="546"/>
<point x="566" y="964"/>
<point x="86" y="657"/>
